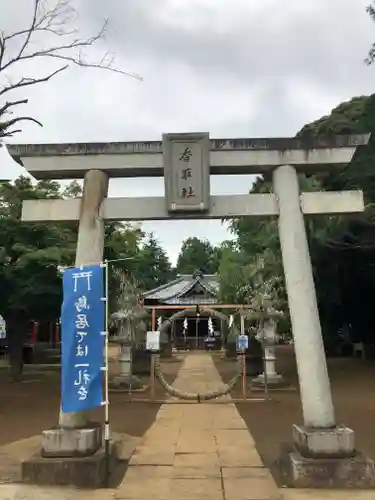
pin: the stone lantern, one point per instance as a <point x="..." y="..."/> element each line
<point x="268" y="337"/>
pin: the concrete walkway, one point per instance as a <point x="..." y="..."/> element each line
<point x="197" y="451"/>
<point x="192" y="452"/>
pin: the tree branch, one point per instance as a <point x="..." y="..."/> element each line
<point x="56" y="21"/>
<point x="370" y="9"/>
<point x="2" y="48"/>
<point x="6" y="125"/>
<point x="66" y="46"/>
<point x="26" y="82"/>
<point x="8" y="105"/>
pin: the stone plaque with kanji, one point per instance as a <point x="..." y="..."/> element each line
<point x="187" y="172"/>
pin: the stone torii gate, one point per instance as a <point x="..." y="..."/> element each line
<point x="321" y="449"/>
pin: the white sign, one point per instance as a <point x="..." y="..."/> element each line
<point x="242" y="342"/>
<point x="3" y="332"/>
<point x="153" y="341"/>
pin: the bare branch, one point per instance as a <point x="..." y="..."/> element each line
<point x="5" y="126"/>
<point x="102" y="64"/>
<point x="26" y="82"/>
<point x="370" y="9"/>
<point x="2" y="47"/>
<point x="53" y="51"/>
<point x="10" y="104"/>
<point x="30" y="31"/>
<point x="58" y="22"/>
<point x="9" y="134"/>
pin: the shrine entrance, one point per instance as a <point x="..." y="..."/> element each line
<point x="197" y="327"/>
<point x="186" y="161"/>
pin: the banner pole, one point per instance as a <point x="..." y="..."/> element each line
<point x="266" y="391"/>
<point x="244" y="374"/>
<point x="152" y="360"/>
<point x="106" y="378"/>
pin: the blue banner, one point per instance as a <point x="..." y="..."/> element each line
<point x="82" y="339"/>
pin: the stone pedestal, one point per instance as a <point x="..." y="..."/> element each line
<point x="125" y="360"/>
<point x="325" y="458"/>
<point x="274" y="379"/>
<point x="126" y="380"/>
<point x="81" y="472"/>
<point x="59" y="443"/>
<point x="71" y="457"/>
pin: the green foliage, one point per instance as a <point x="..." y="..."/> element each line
<point x="30" y="253"/>
<point x="231" y="276"/>
<point x="342" y="248"/>
<point x="197" y="255"/>
<point x="121" y="245"/>
<point x="153" y="265"/>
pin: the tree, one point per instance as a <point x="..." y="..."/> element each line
<point x="342" y="248"/>
<point x="121" y="247"/>
<point x="370" y="9"/>
<point x="30" y="282"/>
<point x="231" y="276"/>
<point x="343" y="258"/>
<point x="51" y="34"/>
<point x="31" y="256"/>
<point x="196" y="255"/>
<point x="153" y="265"/>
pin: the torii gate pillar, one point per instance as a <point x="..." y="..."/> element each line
<point x="90" y="247"/>
<point x="315" y="390"/>
<point x="323" y="454"/>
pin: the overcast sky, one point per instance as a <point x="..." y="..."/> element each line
<point x="238" y="68"/>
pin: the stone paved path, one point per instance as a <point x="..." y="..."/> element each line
<point x="192" y="452"/>
<point x="197" y="451"/>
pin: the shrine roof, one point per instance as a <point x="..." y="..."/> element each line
<point x="177" y="291"/>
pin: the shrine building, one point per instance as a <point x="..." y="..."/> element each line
<point x="192" y="294"/>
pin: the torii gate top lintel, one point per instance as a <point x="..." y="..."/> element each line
<point x="227" y="156"/>
<point x="187" y="178"/>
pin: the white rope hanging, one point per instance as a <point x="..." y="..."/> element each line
<point x="210" y="326"/>
<point x="230" y="320"/>
<point x="159" y="322"/>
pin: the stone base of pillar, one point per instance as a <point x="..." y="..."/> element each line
<point x="275" y="381"/>
<point x="325" y="458"/>
<point x="59" y="442"/>
<point x="80" y="472"/>
<point x="322" y="443"/>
